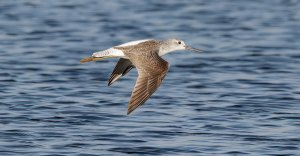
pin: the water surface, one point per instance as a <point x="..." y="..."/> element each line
<point x="241" y="98"/>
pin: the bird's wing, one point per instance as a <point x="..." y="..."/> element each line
<point x="151" y="74"/>
<point x="122" y="67"/>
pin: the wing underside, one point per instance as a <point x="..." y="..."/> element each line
<point x="122" y="67"/>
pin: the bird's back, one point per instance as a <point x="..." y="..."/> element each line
<point x="140" y="49"/>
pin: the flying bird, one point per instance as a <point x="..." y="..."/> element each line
<point x="145" y="55"/>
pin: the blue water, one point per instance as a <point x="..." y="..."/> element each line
<point x="240" y="98"/>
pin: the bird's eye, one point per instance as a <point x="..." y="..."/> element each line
<point x="179" y="42"/>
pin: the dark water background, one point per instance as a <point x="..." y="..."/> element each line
<point x="242" y="98"/>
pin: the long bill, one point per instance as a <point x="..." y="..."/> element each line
<point x="193" y="49"/>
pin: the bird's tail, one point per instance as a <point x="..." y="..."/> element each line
<point x="90" y="59"/>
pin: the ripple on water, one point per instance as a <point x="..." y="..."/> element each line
<point x="240" y="97"/>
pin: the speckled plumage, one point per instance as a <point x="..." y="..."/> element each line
<point x="145" y="55"/>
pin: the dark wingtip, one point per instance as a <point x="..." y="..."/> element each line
<point x="111" y="80"/>
<point x="109" y="83"/>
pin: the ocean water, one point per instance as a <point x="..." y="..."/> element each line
<point x="242" y="97"/>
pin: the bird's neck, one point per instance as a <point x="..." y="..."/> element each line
<point x="164" y="50"/>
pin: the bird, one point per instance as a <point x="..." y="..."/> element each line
<point x="146" y="56"/>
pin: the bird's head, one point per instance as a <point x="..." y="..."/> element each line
<point x="174" y="45"/>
